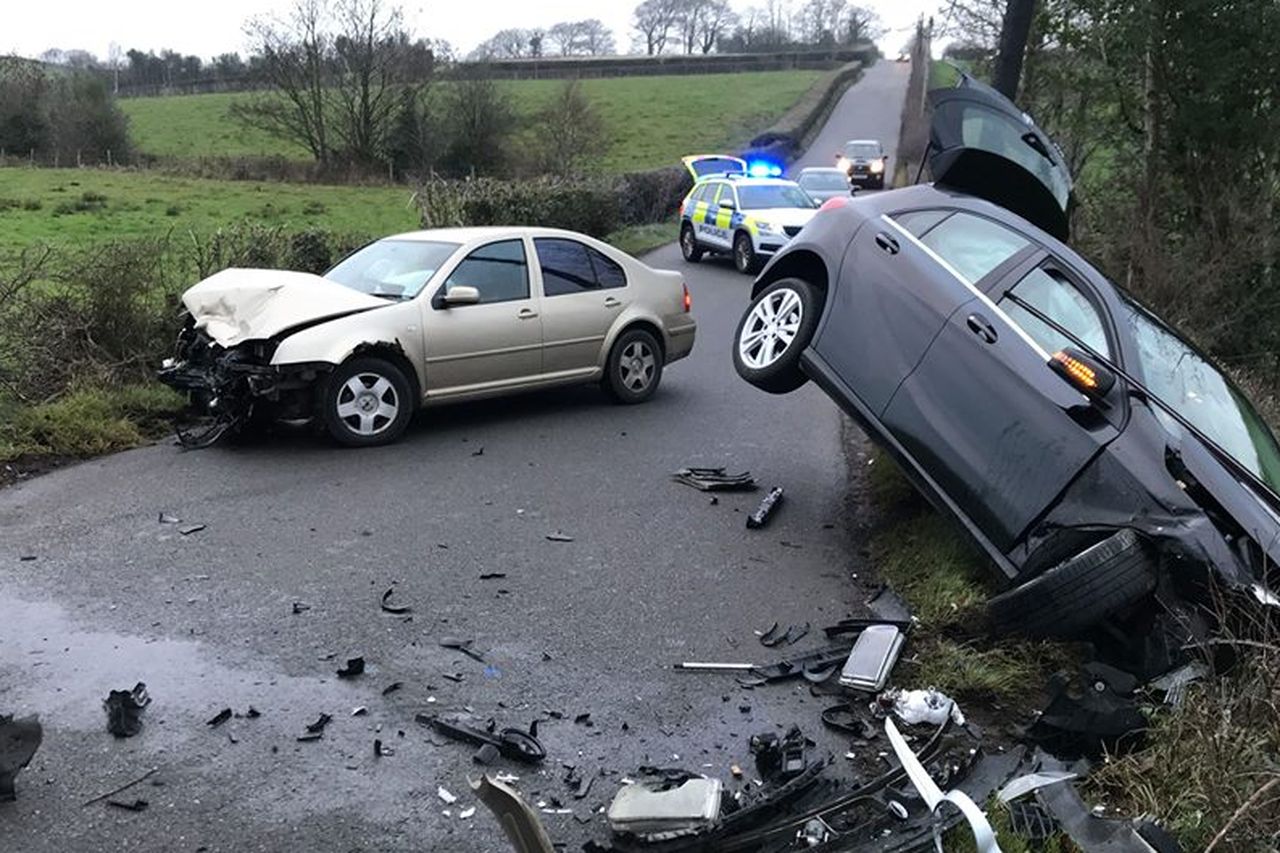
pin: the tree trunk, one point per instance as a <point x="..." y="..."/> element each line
<point x="1014" y="31"/>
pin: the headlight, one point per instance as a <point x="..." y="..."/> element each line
<point x="767" y="227"/>
<point x="877" y="166"/>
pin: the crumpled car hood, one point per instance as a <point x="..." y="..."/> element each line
<point x="238" y="305"/>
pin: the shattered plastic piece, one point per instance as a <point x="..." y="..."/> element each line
<point x="455" y="677"/>
<point x="1090" y="713"/>
<point x="123" y="708"/>
<point x="392" y="688"/>
<point x="1098" y="834"/>
<point x="131" y="806"/>
<point x="780" y="757"/>
<point x="446" y="797"/>
<point x="471" y="810"/>
<point x="889" y="606"/>
<point x="1030" y="782"/>
<point x="464" y="646"/>
<point x="317" y="727"/>
<point x="510" y="742"/>
<point x="488" y="576"/>
<point x="354" y="667"/>
<point x="166" y="518"/>
<point x="765" y="511"/>
<point x="558" y="537"/>
<point x="815" y="832"/>
<point x="19" y="740"/>
<point x="520" y="822"/>
<point x="984" y="837"/>
<point x="387" y="607"/>
<point x="253" y="713"/>
<point x="793" y="667"/>
<point x="771" y="637"/>
<point x="715" y="480"/>
<point x="1175" y="683"/>
<point x="486" y="754"/>
<point x="299" y="607"/>
<point x="219" y="718"/>
<point x="583" y="719"/>
<point x="872" y="658"/>
<point x="188" y="529"/>
<point x="359" y="711"/>
<point x="923" y="706"/>
<point x="660" y="810"/>
<point x="844" y="718"/>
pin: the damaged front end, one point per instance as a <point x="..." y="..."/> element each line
<point x="229" y="388"/>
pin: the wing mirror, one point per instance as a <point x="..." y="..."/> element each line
<point x="728" y="204"/>
<point x="459" y="294"/>
<point x="1083" y="372"/>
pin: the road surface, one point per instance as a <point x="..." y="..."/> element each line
<point x="96" y="593"/>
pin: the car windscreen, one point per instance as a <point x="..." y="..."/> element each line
<point x="862" y="151"/>
<point x="396" y="269"/>
<point x="1185" y="381"/>
<point x="716" y="166"/>
<point x="773" y="195"/>
<point x="824" y="181"/>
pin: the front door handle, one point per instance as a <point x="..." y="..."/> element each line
<point x="527" y="314"/>
<point x="887" y="243"/>
<point x="982" y="327"/>
<point x="610" y="302"/>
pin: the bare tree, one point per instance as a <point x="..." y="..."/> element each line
<point x="371" y="52"/>
<point x="573" y="134"/>
<point x="654" y="22"/>
<point x="715" y="17"/>
<point x="860" y="24"/>
<point x="504" y="44"/>
<point x="597" y="39"/>
<point x="566" y="37"/>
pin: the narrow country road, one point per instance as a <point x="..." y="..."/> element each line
<point x="655" y="574"/>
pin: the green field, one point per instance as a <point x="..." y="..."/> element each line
<point x="78" y="206"/>
<point x="652" y="121"/>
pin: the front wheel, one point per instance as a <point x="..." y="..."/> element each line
<point x="689" y="244"/>
<point x="367" y="401"/>
<point x="773" y="333"/>
<point x="744" y="254"/>
<point x="634" y="368"/>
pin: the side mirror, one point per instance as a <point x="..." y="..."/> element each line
<point x="729" y="204"/>
<point x="1083" y="372"/>
<point x="461" y="294"/>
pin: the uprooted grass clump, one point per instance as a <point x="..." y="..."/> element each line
<point x="88" y="422"/>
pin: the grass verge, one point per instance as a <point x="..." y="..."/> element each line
<point x="638" y="239"/>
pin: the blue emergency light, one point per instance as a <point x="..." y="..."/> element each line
<point x="763" y="169"/>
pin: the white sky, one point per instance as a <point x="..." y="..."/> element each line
<point x="209" y="28"/>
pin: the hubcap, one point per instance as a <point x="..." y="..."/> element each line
<point x="771" y="326"/>
<point x="743" y="254"/>
<point x="637" y="366"/>
<point x="687" y="241"/>
<point x="368" y="403"/>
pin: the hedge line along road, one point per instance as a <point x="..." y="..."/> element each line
<point x="655" y="574"/>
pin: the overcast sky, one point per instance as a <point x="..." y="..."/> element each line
<point x="210" y="28"/>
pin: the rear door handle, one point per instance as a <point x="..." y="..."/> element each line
<point x="982" y="327"/>
<point x="887" y="243"/>
<point x="610" y="302"/>
<point x="527" y="314"/>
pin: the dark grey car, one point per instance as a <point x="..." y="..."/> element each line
<point x="1091" y="452"/>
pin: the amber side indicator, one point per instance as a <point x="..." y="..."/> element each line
<point x="1082" y="371"/>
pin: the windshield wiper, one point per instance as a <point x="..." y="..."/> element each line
<point x="399" y="297"/>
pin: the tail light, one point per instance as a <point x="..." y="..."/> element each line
<point x="834" y="203"/>
<point x="688" y="300"/>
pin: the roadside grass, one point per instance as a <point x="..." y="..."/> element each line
<point x="81" y="206"/>
<point x="638" y="239"/>
<point x="650" y="121"/>
<point x="88" y="422"/>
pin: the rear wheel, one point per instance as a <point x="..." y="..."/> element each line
<point x="634" y="368"/>
<point x="773" y="333"/>
<point x="689" y="244"/>
<point x="367" y="401"/>
<point x="744" y="254"/>
<point x="1074" y="596"/>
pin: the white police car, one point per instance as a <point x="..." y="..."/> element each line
<point x="745" y="210"/>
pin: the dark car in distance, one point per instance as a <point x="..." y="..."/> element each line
<point x="1092" y="452"/>
<point x="864" y="161"/>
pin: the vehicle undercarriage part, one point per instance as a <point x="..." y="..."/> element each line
<point x="782" y="757"/>
<point x="516" y="817"/>
<point x="715" y="480"/>
<point x="984" y="837"/>
<point x="1090" y="713"/>
<point x="512" y="743"/>
<point x="814" y="660"/>
<point x="666" y="808"/>
<point x="124" y="708"/>
<point x="1103" y="835"/>
<point x="19" y="740"/>
<point x="765" y="511"/>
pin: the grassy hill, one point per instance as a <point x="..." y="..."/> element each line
<point x="651" y="121"/>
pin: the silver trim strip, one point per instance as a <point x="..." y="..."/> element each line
<point x="995" y="309"/>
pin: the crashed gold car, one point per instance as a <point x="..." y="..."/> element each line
<point x="420" y="319"/>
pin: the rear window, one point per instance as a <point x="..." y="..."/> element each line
<point x="972" y="245"/>
<point x="824" y="181"/>
<point x="717" y="166"/>
<point x="863" y="150"/>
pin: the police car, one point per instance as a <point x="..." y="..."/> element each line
<point x="748" y="211"/>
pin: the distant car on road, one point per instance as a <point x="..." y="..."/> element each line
<point x="864" y="161"/>
<point x="824" y="182"/>
<point x="424" y="318"/>
<point x="1092" y="452"/>
<point x="731" y="210"/>
<point x="903" y="56"/>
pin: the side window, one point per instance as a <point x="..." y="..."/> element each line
<point x="920" y="221"/>
<point x="566" y="267"/>
<point x="713" y="193"/>
<point x="497" y="270"/>
<point x="973" y="245"/>
<point x="608" y="272"/>
<point x="703" y="193"/>
<point x="1053" y="295"/>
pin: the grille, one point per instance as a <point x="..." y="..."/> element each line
<point x="791" y="230"/>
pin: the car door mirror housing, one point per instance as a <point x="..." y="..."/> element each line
<point x="729" y="204"/>
<point x="1083" y="372"/>
<point x="460" y="294"/>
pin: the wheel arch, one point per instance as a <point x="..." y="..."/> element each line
<point x="803" y="264"/>
<point x="626" y="324"/>
<point x="393" y="353"/>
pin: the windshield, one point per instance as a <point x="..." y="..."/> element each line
<point x="1186" y="382"/>
<point x="717" y="166"/>
<point x="824" y="181"/>
<point x="861" y="150"/>
<point x="774" y="195"/>
<point x="396" y="269"/>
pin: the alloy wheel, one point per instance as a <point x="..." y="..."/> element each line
<point x="368" y="403"/>
<point x="771" y="326"/>
<point x="637" y="366"/>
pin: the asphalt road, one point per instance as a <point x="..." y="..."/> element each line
<point x="655" y="574"/>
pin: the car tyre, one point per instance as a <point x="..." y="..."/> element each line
<point x="634" y="367"/>
<point x="367" y="401"/>
<point x="745" y="259"/>
<point x="756" y="356"/>
<point x="1075" y="595"/>
<point x="689" y="244"/>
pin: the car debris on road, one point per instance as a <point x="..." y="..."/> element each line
<point x="512" y="743"/>
<point x="765" y="511"/>
<point x="124" y="709"/>
<point x="715" y="480"/>
<point x="19" y="740"/>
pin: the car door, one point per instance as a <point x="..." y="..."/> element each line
<point x="494" y="342"/>
<point x="583" y="292"/>
<point x="714" y="229"/>
<point x="894" y="295"/>
<point x="994" y="426"/>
